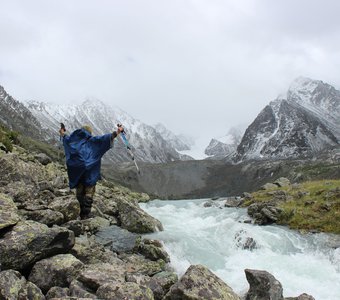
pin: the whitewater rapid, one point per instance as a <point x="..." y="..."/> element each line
<point x="213" y="236"/>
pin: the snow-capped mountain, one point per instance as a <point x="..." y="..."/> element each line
<point x="225" y="146"/>
<point x="16" y="116"/>
<point x="217" y="149"/>
<point x="180" y="143"/>
<point x="302" y="123"/>
<point x="148" y="144"/>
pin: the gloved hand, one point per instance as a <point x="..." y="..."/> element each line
<point x="120" y="128"/>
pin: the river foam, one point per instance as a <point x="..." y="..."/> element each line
<point x="214" y="237"/>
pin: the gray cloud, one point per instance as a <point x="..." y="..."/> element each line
<point x="197" y="66"/>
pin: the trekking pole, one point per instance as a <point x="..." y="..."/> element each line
<point x="62" y="128"/>
<point x="128" y="148"/>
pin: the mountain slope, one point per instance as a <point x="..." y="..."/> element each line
<point x="16" y="116"/>
<point x="225" y="147"/>
<point x="303" y="123"/>
<point x="148" y="144"/>
<point x="177" y="142"/>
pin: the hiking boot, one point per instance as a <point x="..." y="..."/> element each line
<point x="87" y="216"/>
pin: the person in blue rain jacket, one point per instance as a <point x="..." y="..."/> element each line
<point x="83" y="153"/>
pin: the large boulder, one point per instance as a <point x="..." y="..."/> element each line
<point x="13" y="286"/>
<point x="199" y="282"/>
<point x="269" y="186"/>
<point x="68" y="206"/>
<point x="153" y="250"/>
<point x="119" y="239"/>
<point x="8" y="212"/>
<point x="58" y="270"/>
<point x="263" y="286"/>
<point x="282" y="182"/>
<point x="139" y="264"/>
<point x="97" y="275"/>
<point x="264" y="212"/>
<point x="45" y="216"/>
<point x="80" y="291"/>
<point x="127" y="290"/>
<point x="15" y="169"/>
<point x="57" y="292"/>
<point x="159" y="283"/>
<point x="93" y="225"/>
<point x="43" y="158"/>
<point x="90" y="252"/>
<point x="29" y="242"/>
<point x="134" y="219"/>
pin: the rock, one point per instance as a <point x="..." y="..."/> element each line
<point x="165" y="280"/>
<point x="301" y="297"/>
<point x="199" y="282"/>
<point x="79" y="290"/>
<point x="209" y="203"/>
<point x="14" y="169"/>
<point x="68" y="206"/>
<point x="138" y="264"/>
<point x="60" y="182"/>
<point x="20" y="192"/>
<point x="271" y="213"/>
<point x="8" y="212"/>
<point x="282" y="182"/>
<point x="127" y="290"/>
<point x="279" y="195"/>
<point x="152" y="251"/>
<point x="76" y="226"/>
<point x="134" y="219"/>
<point x="90" y="252"/>
<point x="30" y="241"/>
<point x="244" y="242"/>
<point x="263" y="286"/>
<point x="93" y="225"/>
<point x="13" y="286"/>
<point x="58" y="270"/>
<point x="333" y="241"/>
<point x="57" y="292"/>
<point x="43" y="158"/>
<point x="119" y="239"/>
<point x="269" y="186"/>
<point x="264" y="213"/>
<point x="149" y="282"/>
<point x="46" y="216"/>
<point x="96" y="275"/>
<point x="234" y="202"/>
<point x="3" y="147"/>
<point x="45" y="185"/>
<point x="301" y="194"/>
<point x="247" y="196"/>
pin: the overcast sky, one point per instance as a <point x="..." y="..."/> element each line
<point x="197" y="66"/>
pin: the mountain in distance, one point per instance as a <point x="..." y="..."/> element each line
<point x="300" y="124"/>
<point x="226" y="146"/>
<point x="148" y="144"/>
<point x="179" y="142"/>
<point x="16" y="116"/>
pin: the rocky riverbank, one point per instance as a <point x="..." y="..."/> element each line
<point x="311" y="206"/>
<point x="48" y="253"/>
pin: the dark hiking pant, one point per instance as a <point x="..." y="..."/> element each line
<point x="85" y="195"/>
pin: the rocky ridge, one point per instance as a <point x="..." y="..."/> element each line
<point x="300" y="124"/>
<point x="155" y="145"/>
<point x="48" y="253"/>
<point x="16" y="116"/>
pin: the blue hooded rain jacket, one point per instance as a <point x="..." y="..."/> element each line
<point x="83" y="156"/>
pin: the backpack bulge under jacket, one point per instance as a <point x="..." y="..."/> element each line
<point x="83" y="156"/>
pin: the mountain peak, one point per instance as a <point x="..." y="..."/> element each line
<point x="303" y="85"/>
